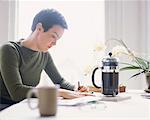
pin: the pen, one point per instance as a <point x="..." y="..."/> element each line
<point x="78" y="85"/>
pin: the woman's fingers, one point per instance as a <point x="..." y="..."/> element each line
<point x="83" y="89"/>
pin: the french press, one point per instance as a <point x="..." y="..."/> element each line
<point x="110" y="75"/>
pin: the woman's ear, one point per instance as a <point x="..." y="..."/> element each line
<point x="39" y="27"/>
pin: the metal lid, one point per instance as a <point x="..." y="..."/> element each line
<point x="110" y="61"/>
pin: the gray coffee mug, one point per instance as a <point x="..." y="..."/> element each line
<point x="47" y="100"/>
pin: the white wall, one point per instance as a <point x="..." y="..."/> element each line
<point x="7" y="20"/>
<point x="129" y="21"/>
<point x="147" y="25"/>
<point x="4" y="8"/>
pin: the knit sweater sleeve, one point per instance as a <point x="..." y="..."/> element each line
<point x="9" y="66"/>
<point x="55" y="76"/>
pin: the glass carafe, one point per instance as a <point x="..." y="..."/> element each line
<point x="110" y="76"/>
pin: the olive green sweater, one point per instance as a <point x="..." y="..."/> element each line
<point x="20" y="70"/>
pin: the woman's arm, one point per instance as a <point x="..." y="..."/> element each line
<point x="67" y="94"/>
<point x="55" y="76"/>
<point x="9" y="68"/>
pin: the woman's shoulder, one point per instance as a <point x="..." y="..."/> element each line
<point x="48" y="56"/>
<point x="7" y="46"/>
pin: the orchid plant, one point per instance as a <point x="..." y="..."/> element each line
<point x="139" y="63"/>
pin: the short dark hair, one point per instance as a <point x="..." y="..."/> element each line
<point x="48" y="18"/>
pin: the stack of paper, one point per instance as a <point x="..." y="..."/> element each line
<point x="146" y="95"/>
<point x="119" y="97"/>
<point x="116" y="98"/>
<point x="78" y="101"/>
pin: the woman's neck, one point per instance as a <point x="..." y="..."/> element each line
<point x="29" y="43"/>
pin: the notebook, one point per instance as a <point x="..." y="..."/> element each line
<point x="78" y="101"/>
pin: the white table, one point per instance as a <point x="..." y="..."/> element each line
<point x="136" y="108"/>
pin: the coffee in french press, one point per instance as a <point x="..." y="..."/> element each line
<point x="110" y="76"/>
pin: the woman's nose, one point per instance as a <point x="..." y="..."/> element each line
<point x="54" y="43"/>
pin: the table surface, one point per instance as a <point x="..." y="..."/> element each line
<point x="135" y="108"/>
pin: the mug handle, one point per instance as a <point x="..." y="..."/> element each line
<point x="29" y="95"/>
<point x="93" y="73"/>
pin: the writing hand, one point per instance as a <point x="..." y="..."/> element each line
<point x="83" y="89"/>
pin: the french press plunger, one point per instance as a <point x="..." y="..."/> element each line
<point x="110" y="76"/>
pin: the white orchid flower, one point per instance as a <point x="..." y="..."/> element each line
<point x="119" y="51"/>
<point x="99" y="47"/>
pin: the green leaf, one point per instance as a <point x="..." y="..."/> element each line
<point x="142" y="62"/>
<point x="128" y="64"/>
<point x="143" y="59"/>
<point x="137" y="74"/>
<point x="130" y="68"/>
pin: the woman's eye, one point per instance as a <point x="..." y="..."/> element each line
<point x="53" y="37"/>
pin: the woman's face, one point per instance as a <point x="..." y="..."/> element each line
<point x="46" y="40"/>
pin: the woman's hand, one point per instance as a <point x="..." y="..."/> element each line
<point x="83" y="89"/>
<point x="67" y="94"/>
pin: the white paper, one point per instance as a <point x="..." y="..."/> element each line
<point x="78" y="101"/>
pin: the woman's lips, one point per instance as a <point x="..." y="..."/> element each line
<point x="49" y="46"/>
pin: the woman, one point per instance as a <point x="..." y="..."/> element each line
<point x="22" y="62"/>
